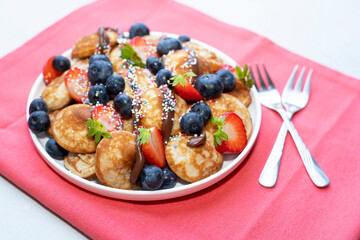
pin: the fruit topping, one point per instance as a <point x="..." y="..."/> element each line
<point x="108" y="117"/>
<point x="49" y="72"/>
<point x="99" y="72"/>
<point x="184" y="88"/>
<point x="77" y="84"/>
<point x="123" y="104"/>
<point x="184" y="38"/>
<point x="227" y="78"/>
<point x="151" y="177"/>
<point x="230" y="136"/>
<point x="97" y="130"/>
<point x="39" y="122"/>
<point x="98" y="95"/>
<point x="163" y="77"/>
<point x="98" y="57"/>
<point x="115" y="84"/>
<point x="138" y="29"/>
<point x="154" y="64"/>
<point x="38" y="105"/>
<point x="228" y="67"/>
<point x="203" y="109"/>
<point x="61" y="63"/>
<point x="209" y="86"/>
<point x="152" y="146"/>
<point x="169" y="178"/>
<point x="168" y="44"/>
<point x="55" y="150"/>
<point x="143" y="48"/>
<point x="192" y="123"/>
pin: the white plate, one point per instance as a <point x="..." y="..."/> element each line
<point x="230" y="162"/>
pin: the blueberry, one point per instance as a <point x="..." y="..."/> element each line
<point x="98" y="94"/>
<point x="98" y="57"/>
<point x="61" y="63"/>
<point x="227" y="79"/>
<point x="169" y="178"/>
<point x="151" y="177"/>
<point x="168" y="44"/>
<point x="123" y="104"/>
<point x="209" y="85"/>
<point x="184" y="38"/>
<point x="38" y="105"/>
<point x="192" y="123"/>
<point x="163" y="77"/>
<point x="114" y="85"/>
<point x="55" y="150"/>
<point x="154" y="64"/>
<point x="138" y="29"/>
<point x="203" y="109"/>
<point x="39" y="122"/>
<point x="99" y="72"/>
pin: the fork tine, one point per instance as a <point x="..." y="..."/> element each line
<point x="252" y="76"/>
<point x="299" y="82"/>
<point x="307" y="83"/>
<point x="290" y="82"/>
<point x="262" y="83"/>
<point x="271" y="84"/>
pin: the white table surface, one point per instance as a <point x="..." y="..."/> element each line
<point x="327" y="32"/>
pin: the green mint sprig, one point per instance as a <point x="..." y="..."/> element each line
<point x="219" y="135"/>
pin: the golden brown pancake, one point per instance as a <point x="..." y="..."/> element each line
<point x="80" y="164"/>
<point x="69" y="129"/>
<point x="227" y="103"/>
<point x="56" y="94"/>
<point x="214" y="61"/>
<point x="241" y="92"/>
<point x="114" y="159"/>
<point x="193" y="163"/>
<point x="52" y="117"/>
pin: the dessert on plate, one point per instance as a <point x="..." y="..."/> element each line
<point x="142" y="111"/>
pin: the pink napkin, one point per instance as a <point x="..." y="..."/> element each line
<point x="235" y="208"/>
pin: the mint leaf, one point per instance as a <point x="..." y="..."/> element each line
<point x="181" y="78"/>
<point x="127" y="52"/>
<point x="144" y="135"/>
<point x="244" y="76"/>
<point x="97" y="129"/>
<point x="219" y="135"/>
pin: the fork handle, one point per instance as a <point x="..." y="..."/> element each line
<point x="316" y="174"/>
<point x="270" y="172"/>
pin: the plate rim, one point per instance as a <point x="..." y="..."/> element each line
<point x="145" y="195"/>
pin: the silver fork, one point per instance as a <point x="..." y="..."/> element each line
<point x="270" y="97"/>
<point x="270" y="172"/>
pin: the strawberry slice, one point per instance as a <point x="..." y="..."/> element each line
<point x="227" y="67"/>
<point x="184" y="88"/>
<point x="49" y="72"/>
<point x="230" y="136"/>
<point x="108" y="117"/>
<point x="152" y="146"/>
<point x="143" y="48"/>
<point x="78" y="84"/>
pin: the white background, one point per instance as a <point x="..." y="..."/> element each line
<point x="324" y="31"/>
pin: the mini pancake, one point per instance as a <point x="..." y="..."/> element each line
<point x="80" y="63"/>
<point x="56" y="94"/>
<point x="82" y="165"/>
<point x="181" y="62"/>
<point x="69" y="129"/>
<point x="193" y="163"/>
<point x="153" y="39"/>
<point x="241" y="92"/>
<point x="139" y="78"/>
<point x="85" y="47"/>
<point x="152" y="109"/>
<point x="227" y="103"/>
<point x="214" y="61"/>
<point x="52" y="117"/>
<point x="114" y="159"/>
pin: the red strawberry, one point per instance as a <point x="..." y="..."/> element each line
<point x="49" y="72"/>
<point x="108" y="117"/>
<point x="228" y="67"/>
<point x="78" y="84"/>
<point x="143" y="48"/>
<point x="230" y="136"/>
<point x="153" y="146"/>
<point x="184" y="88"/>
